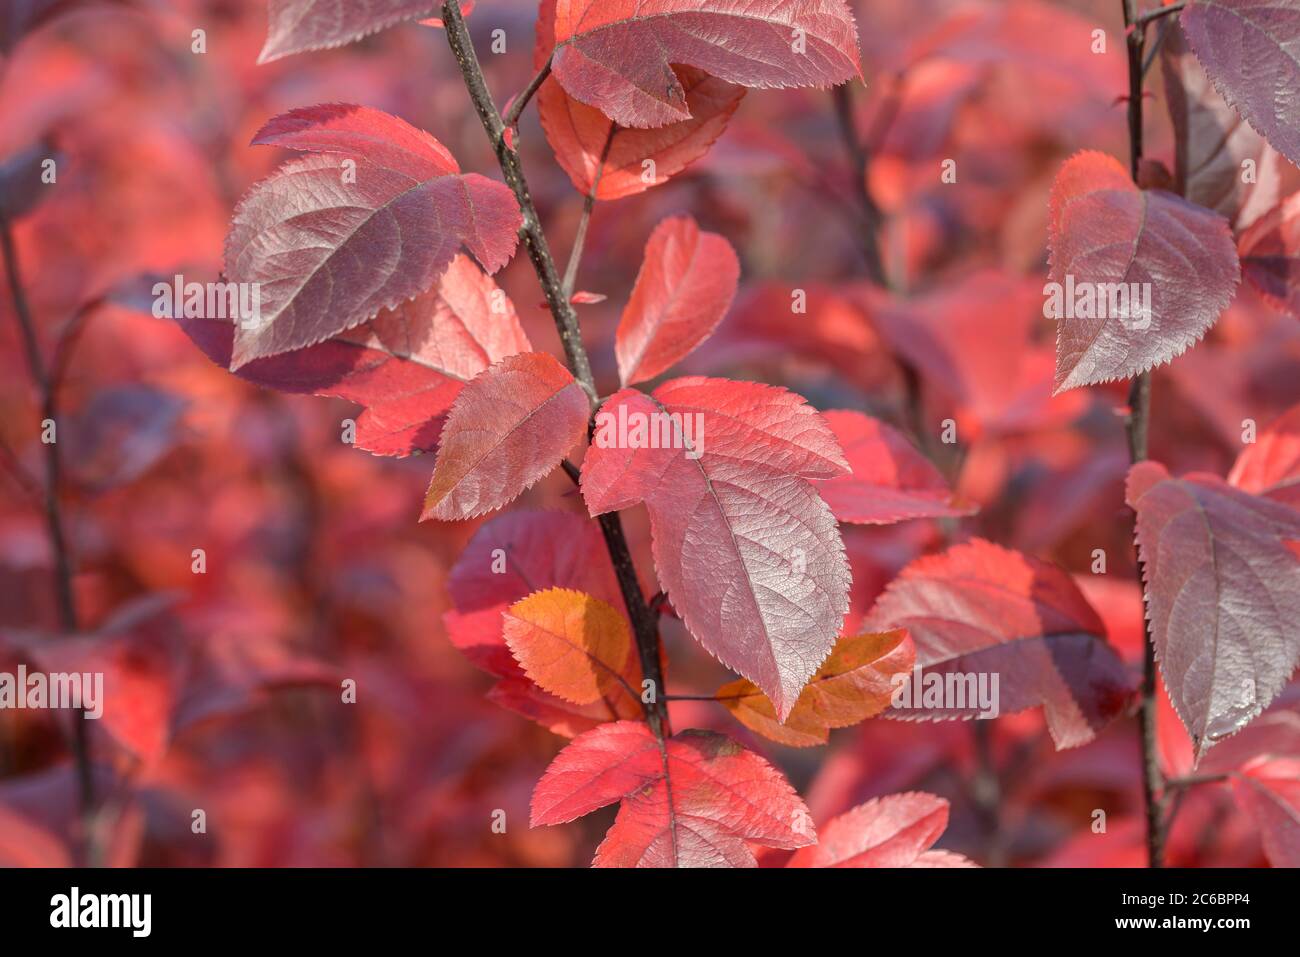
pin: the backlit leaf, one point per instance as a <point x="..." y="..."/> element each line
<point x="1270" y="466"/>
<point x="853" y="684"/>
<point x="572" y="645"/>
<point x="692" y="803"/>
<point x="891" y="480"/>
<point x="892" y="831"/>
<point x="634" y="160"/>
<point x="687" y="281"/>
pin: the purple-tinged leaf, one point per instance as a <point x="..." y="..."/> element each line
<point x="332" y="239"/>
<point x="1251" y="50"/>
<point x="300" y="25"/>
<point x="1222" y="593"/>
<point x="1137" y="276"/>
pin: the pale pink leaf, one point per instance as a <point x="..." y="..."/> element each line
<point x="748" y="553"/>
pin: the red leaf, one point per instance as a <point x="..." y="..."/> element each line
<point x="510" y="426"/>
<point x="685" y="286"/>
<point x="892" y="831"/>
<point x="1105" y="231"/>
<point x="407" y="365"/>
<point x="1270" y="255"/>
<point x="1270" y="466"/>
<point x="1271" y="796"/>
<point x="1212" y="142"/>
<point x="1223" y="596"/>
<point x="617" y="55"/>
<point x="510" y="557"/>
<point x="375" y="220"/>
<point x="580" y="135"/>
<point x="748" y="553"/>
<point x="692" y="804"/>
<point x="891" y="480"/>
<point x="300" y="25"/>
<point x="556" y="715"/>
<point x="978" y="609"/>
<point x="1248" y="47"/>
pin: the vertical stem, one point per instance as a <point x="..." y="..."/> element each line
<point x="870" y="212"/>
<point x="64" y="597"/>
<point x="566" y="320"/>
<point x="1137" y="427"/>
<point x="584" y="221"/>
<point x="645" y="626"/>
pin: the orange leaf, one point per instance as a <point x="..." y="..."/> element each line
<point x="853" y="684"/>
<point x="571" y="644"/>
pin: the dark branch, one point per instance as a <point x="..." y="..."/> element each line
<point x="65" y="598"/>
<point x="859" y="160"/>
<point x="521" y="101"/>
<point x="1137" y="428"/>
<point x="645" y="626"/>
<point x="588" y="206"/>
<point x="1142" y="19"/>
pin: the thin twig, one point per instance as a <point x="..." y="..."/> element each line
<point x="539" y="252"/>
<point x="1142" y="19"/>
<point x="1179" y="788"/>
<point x="588" y="206"/>
<point x="860" y="162"/>
<point x="511" y="119"/>
<point x="645" y="625"/>
<point x="64" y="596"/>
<point x="1137" y="427"/>
<point x="1162" y="31"/>
<point x="1195" y="780"/>
<point x="24" y="479"/>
